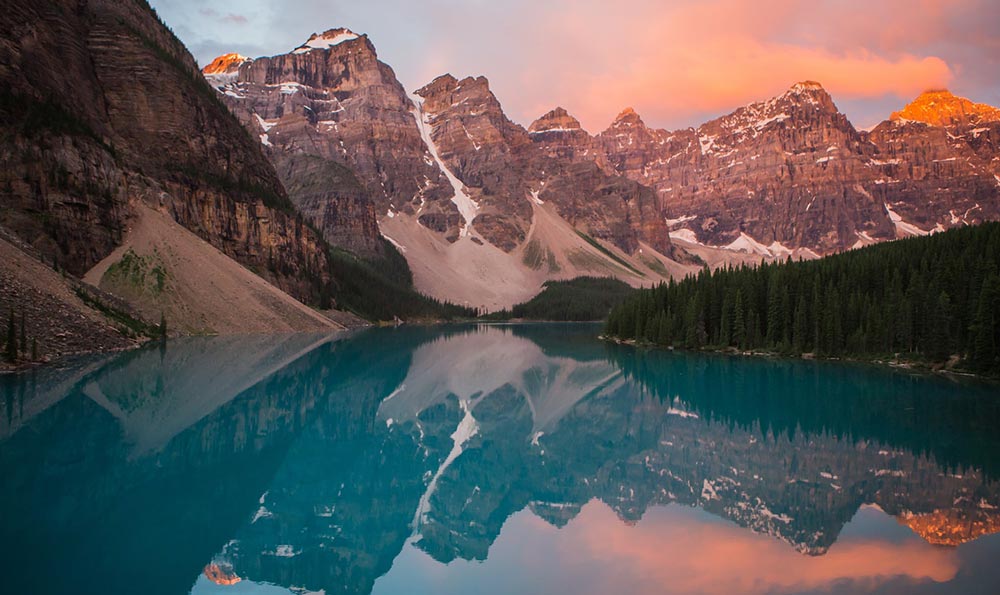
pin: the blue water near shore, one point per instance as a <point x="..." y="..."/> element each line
<point x="491" y="459"/>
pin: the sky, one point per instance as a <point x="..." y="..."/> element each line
<point x="676" y="62"/>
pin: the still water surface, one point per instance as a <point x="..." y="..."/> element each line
<point x="522" y="459"/>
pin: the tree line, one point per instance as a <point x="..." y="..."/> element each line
<point x="925" y="299"/>
<point x="578" y="299"/>
<point x="15" y="344"/>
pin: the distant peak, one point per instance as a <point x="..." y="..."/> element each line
<point x="327" y="40"/>
<point x="807" y="86"/>
<point x="939" y="107"/>
<point x="628" y="117"/>
<point x="557" y="120"/>
<point x="225" y="64"/>
<point x="446" y="83"/>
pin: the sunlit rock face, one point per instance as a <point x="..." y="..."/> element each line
<point x="942" y="108"/>
<point x="955" y="526"/>
<point x="788" y="172"/>
<point x="940" y="163"/>
<point x="220" y="575"/>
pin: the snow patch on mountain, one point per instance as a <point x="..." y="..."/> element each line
<point x="466" y="206"/>
<point x="326" y="40"/>
<point x="467" y="428"/>
<point x="902" y="227"/>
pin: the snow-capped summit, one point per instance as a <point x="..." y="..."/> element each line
<point x="327" y="40"/>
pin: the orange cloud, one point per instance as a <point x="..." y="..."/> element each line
<point x="679" y="60"/>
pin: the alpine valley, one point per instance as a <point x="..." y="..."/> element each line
<point x="310" y="190"/>
<point x="281" y="325"/>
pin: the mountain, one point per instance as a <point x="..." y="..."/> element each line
<point x="942" y="108"/>
<point x="791" y="175"/>
<point x="777" y="177"/>
<point x="340" y="130"/>
<point x="104" y="113"/>
<point x="456" y="185"/>
<point x="788" y="176"/>
<point x="939" y="161"/>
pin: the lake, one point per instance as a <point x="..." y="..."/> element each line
<point x="491" y="459"/>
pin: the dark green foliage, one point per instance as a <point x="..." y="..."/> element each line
<point x="922" y="299"/>
<point x="579" y="299"/>
<point x="382" y="289"/>
<point x="24" y="335"/>
<point x="11" y="340"/>
<point x="34" y="349"/>
<point x="127" y="324"/>
<point x="607" y="252"/>
<point x="163" y="327"/>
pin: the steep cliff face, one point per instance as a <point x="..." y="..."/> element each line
<point x="939" y="161"/>
<point x="770" y="177"/>
<point x="455" y="184"/>
<point x="118" y="111"/>
<point x="331" y="99"/>
<point x="502" y="166"/>
<point x="485" y="151"/>
<point x="574" y="174"/>
<point x="791" y="175"/>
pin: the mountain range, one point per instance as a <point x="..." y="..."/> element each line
<point x="253" y="193"/>
<point x="477" y="202"/>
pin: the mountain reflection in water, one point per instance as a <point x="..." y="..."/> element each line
<point x="497" y="459"/>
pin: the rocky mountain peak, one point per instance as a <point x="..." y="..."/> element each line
<point x="557" y="120"/>
<point x="225" y="64"/>
<point x="939" y="107"/>
<point x="326" y="40"/>
<point x="628" y="118"/>
<point x="807" y="87"/>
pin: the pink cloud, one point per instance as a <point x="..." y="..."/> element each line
<point x="676" y="61"/>
<point x="682" y="554"/>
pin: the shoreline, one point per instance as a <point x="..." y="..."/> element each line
<point x="912" y="367"/>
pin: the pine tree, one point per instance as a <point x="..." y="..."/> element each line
<point x="939" y="336"/>
<point x="775" y="317"/>
<point x="24" y="335"/>
<point x="34" y="349"/>
<point x="926" y="297"/>
<point x="163" y="327"/>
<point x="11" y="339"/>
<point x="739" y="323"/>
<point x="800" y="331"/>
<point x="726" y="322"/>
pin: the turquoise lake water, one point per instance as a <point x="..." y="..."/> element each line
<point x="491" y="459"/>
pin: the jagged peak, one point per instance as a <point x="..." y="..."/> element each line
<point x="628" y="117"/>
<point x="940" y="107"/>
<point x="327" y="39"/>
<point x="225" y="64"/>
<point x="447" y="83"/>
<point x="556" y="120"/>
<point x="806" y="86"/>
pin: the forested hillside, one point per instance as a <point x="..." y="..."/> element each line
<point x="927" y="298"/>
<point x="575" y="300"/>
